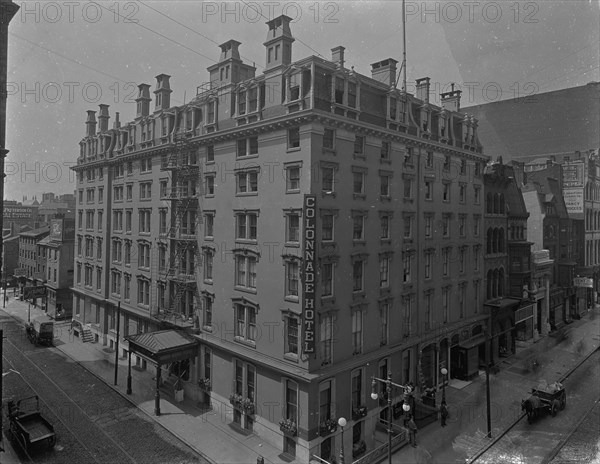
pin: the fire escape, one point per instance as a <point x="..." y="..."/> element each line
<point x="177" y="269"/>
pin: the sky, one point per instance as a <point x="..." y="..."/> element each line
<point x="67" y="57"/>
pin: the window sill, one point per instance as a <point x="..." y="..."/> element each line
<point x="245" y="157"/>
<point x="331" y="151"/>
<point x="292" y="298"/>
<point x="359" y="156"/>
<point x="208" y="281"/>
<point x="207" y="328"/>
<point x="290" y="357"/>
<point x="291" y="191"/>
<point x="325" y="193"/>
<point x="246" y="241"/>
<point x="246" y="194"/>
<point x="359" y="196"/>
<point x="293" y="149"/>
<point x="243" y="341"/>
<point x="385" y="198"/>
<point x="292" y="244"/>
<point x="245" y="289"/>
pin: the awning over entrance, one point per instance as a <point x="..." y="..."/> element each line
<point x="163" y="346"/>
<point x="473" y="342"/>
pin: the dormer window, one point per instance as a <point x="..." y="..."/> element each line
<point x="252" y="99"/>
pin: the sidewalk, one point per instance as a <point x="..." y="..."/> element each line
<point x="208" y="432"/>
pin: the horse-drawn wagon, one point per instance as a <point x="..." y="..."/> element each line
<point x="27" y="425"/>
<point x="545" y="398"/>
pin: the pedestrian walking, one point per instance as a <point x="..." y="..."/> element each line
<point x="412" y="432"/>
<point x="443" y="413"/>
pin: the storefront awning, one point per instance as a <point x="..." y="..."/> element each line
<point x="473" y="342"/>
<point x="163" y="346"/>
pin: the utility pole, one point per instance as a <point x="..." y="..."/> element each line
<point x="487" y="379"/>
<point x="1" y="387"/>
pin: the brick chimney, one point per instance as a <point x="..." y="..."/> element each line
<point x="143" y="101"/>
<point x="117" y="123"/>
<point x="103" y="118"/>
<point x="385" y="71"/>
<point x="337" y="56"/>
<point x="451" y="100"/>
<point x="423" y="89"/>
<point x="90" y="123"/>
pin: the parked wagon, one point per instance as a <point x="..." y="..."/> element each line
<point x="27" y="425"/>
<point x="40" y="331"/>
<point x="551" y="399"/>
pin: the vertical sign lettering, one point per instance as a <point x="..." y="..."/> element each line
<point x="308" y="274"/>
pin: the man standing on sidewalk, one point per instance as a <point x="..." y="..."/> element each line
<point x="443" y="413"/>
<point x="412" y="432"/>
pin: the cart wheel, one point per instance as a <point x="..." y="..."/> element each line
<point x="555" y="407"/>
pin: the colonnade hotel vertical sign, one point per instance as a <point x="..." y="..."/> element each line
<point x="309" y="274"/>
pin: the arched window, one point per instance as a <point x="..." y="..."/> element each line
<point x="488" y="203"/>
<point x="496" y="203"/>
<point x="495" y="284"/>
<point x="502" y="203"/>
<point x="501" y="240"/>
<point x="489" y="241"/>
<point x="490" y="284"/>
<point x="501" y="282"/>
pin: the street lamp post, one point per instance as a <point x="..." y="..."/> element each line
<point x="388" y="389"/>
<point x="342" y="424"/>
<point x="444" y="372"/>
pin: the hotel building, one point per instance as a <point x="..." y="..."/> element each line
<point x="310" y="227"/>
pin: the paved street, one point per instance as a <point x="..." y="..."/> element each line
<point x="92" y="421"/>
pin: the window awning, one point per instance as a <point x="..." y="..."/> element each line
<point x="163" y="346"/>
<point x="473" y="342"/>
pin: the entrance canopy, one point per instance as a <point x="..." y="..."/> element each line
<point x="163" y="346"/>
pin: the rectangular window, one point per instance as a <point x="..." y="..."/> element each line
<point x="145" y="190"/>
<point x="408" y="220"/>
<point x="325" y="402"/>
<point x="328" y="176"/>
<point x="385" y="150"/>
<point x="326" y="339"/>
<point x="359" y="183"/>
<point x="246" y="226"/>
<point x="145" y="165"/>
<point x="210" y="153"/>
<point x="327" y="279"/>
<point x="292" y="178"/>
<point x="445" y="261"/>
<point x="359" y="145"/>
<point x="406" y="267"/>
<point x="461" y="260"/>
<point x="327" y="227"/>
<point x="351" y="95"/>
<point x="245" y="271"/>
<point x="356" y="389"/>
<point x="446" y="225"/>
<point x="247" y="182"/>
<point x="358" y="223"/>
<point x="427" y="264"/>
<point x="446" y="191"/>
<point x="446" y="166"/>
<point x="144" y="255"/>
<point x="408" y="188"/>
<point x="340" y="90"/>
<point x="294" y="137"/>
<point x="291" y="400"/>
<point x="162" y="221"/>
<point x="127" y="287"/>
<point x="384" y="311"/>
<point x="208" y="313"/>
<point x="209" y="186"/>
<point x="129" y="192"/>
<point x="128" y="220"/>
<point x="476" y="225"/>
<point x="208" y="265"/>
<point x="357" y="332"/>
<point x="291" y="335"/>
<point x="477" y="194"/>
<point x="293" y="228"/>
<point x="247" y="147"/>
<point x="462" y="221"/>
<point x="384" y="227"/>
<point x="428" y="224"/>
<point x="329" y="139"/>
<point x="143" y="292"/>
<point x="384" y="272"/>
<point x="462" y="193"/>
<point x="145" y="217"/>
<point x="292" y="279"/>
<point x="245" y="327"/>
<point x="357" y="276"/>
<point x="127" y="252"/>
<point x="429" y="160"/>
<point x="428" y="190"/>
<point x="445" y="304"/>
<point x="384" y="186"/>
<point x="209" y="225"/>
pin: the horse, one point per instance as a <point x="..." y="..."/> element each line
<point x="531" y="406"/>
